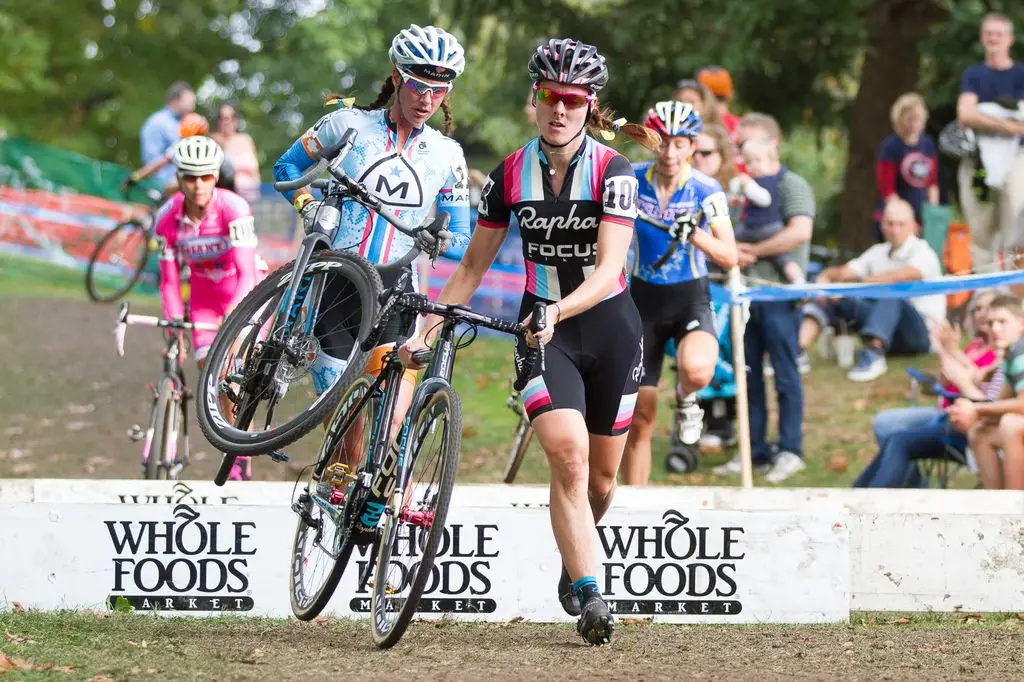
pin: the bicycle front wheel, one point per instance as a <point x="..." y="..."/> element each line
<point x="401" y="576"/>
<point x="323" y="543"/>
<point x="161" y="419"/>
<point x="262" y="364"/>
<point x="118" y="262"/>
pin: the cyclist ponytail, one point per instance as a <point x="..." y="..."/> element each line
<point x="449" y="122"/>
<point x="387" y="89"/>
<point x="603" y="121"/>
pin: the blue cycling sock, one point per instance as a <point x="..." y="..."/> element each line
<point x="585" y="588"/>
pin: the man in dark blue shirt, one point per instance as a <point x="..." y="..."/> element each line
<point x="997" y="79"/>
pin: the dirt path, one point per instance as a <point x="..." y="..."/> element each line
<point x="135" y="647"/>
<point x="68" y="400"/>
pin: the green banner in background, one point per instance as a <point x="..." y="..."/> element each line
<point x="31" y="165"/>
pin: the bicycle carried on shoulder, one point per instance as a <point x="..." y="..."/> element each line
<point x="165" y="449"/>
<point x="270" y="341"/>
<point x="369" y="488"/>
<point x="121" y="255"/>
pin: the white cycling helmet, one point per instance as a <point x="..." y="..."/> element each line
<point x="428" y="52"/>
<point x="198" y="155"/>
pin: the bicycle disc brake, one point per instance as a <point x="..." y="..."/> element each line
<point x="300" y="351"/>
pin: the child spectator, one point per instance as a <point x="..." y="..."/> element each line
<point x="757" y="194"/>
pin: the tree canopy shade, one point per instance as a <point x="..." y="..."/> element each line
<point x="84" y="75"/>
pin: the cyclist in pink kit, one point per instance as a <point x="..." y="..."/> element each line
<point x="210" y="230"/>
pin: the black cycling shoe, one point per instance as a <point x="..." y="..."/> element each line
<point x="566" y="595"/>
<point x="596" y="623"/>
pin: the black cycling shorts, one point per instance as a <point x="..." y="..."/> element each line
<point x="670" y="312"/>
<point x="593" y="365"/>
<point x="340" y="314"/>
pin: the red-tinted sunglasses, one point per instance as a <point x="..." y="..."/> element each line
<point x="206" y="177"/>
<point x="571" y="100"/>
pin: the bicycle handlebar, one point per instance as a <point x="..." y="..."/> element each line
<point x="124" y="318"/>
<point x="460" y="313"/>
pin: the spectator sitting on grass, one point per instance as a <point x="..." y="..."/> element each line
<point x="887" y="326"/>
<point x="907" y="434"/>
<point x="999" y="425"/>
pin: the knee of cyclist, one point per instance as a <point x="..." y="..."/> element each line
<point x="644" y="417"/>
<point x="568" y="459"/>
<point x="602" y="485"/>
<point x="1011" y="425"/>
<point x="698" y="374"/>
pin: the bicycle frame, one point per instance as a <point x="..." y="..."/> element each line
<point x="173" y="368"/>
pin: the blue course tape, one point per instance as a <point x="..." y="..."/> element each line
<point x="935" y="287"/>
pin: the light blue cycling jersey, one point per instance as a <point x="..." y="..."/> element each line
<point x="695" y="192"/>
<point x="429" y="170"/>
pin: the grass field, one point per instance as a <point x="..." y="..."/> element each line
<point x="102" y="647"/>
<point x="68" y="400"/>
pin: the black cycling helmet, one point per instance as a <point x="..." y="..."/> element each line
<point x="569" y="61"/>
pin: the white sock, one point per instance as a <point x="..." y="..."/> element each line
<point x="325" y="371"/>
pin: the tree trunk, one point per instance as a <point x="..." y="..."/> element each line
<point x="895" y="29"/>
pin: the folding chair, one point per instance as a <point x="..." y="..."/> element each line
<point x="936" y="468"/>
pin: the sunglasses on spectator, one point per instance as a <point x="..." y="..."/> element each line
<point x="418" y="87"/>
<point x="689" y="84"/>
<point x="571" y="100"/>
<point x="704" y="153"/>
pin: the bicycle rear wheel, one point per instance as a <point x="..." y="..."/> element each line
<point x="118" y="262"/>
<point x="323" y="545"/>
<point x="400" y="577"/>
<point x="265" y="375"/>
<point x="521" y="443"/>
<point x="161" y="411"/>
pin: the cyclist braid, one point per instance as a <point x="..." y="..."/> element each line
<point x="604" y="119"/>
<point x="387" y="89"/>
<point x="449" y="122"/>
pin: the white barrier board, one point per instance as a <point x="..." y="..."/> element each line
<point x="673" y="564"/>
<point x="984" y="502"/>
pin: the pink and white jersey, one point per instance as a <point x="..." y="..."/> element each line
<point x="220" y="252"/>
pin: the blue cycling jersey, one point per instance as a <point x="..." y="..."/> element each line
<point x="695" y="191"/>
<point x="429" y="170"/>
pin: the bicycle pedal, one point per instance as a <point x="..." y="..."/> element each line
<point x="339" y="474"/>
<point x="278" y="456"/>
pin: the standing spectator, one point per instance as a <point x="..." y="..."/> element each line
<point x="160" y="131"/>
<point x="999" y="425"/>
<point x="719" y="82"/>
<point x="887" y="326"/>
<point x="240" y="149"/>
<point x="997" y="78"/>
<point x="714" y="154"/>
<point x="772" y="327"/>
<point x="907" y="164"/>
<point x="700" y="98"/>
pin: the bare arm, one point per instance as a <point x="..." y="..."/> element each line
<point x="838" y="274"/>
<point x="968" y="117"/>
<point x="463" y="283"/>
<point x="797" y="232"/>
<point x="612" y="246"/>
<point x="905" y="274"/>
<point x="719" y="244"/>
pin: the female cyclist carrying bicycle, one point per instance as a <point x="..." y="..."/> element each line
<point x="210" y="230"/>
<point x="407" y="164"/>
<point x="674" y="299"/>
<point x="575" y="201"/>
